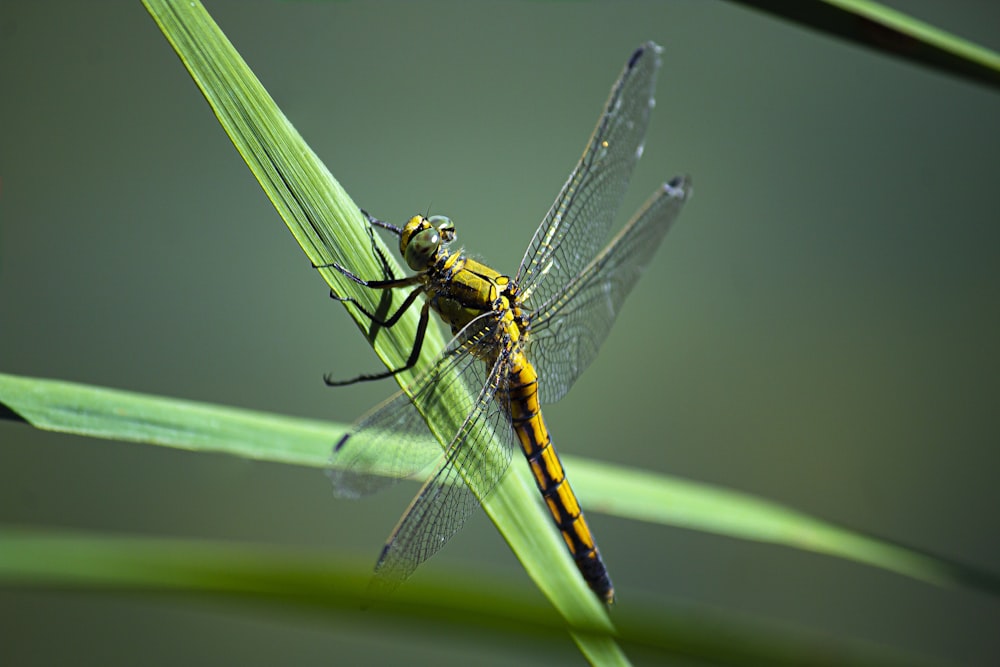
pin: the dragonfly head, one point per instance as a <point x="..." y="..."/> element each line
<point x="420" y="240"/>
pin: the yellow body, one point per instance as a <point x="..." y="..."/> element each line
<point x="526" y="417"/>
<point x="460" y="289"/>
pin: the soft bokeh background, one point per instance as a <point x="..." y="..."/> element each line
<point x="820" y="328"/>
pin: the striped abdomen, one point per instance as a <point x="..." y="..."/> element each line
<point x="526" y="417"/>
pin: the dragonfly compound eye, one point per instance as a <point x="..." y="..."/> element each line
<point x="422" y="248"/>
<point x="445" y="227"/>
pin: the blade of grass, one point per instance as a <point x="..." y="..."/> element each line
<point x="67" y="407"/>
<point x="888" y="31"/>
<point x="324" y="583"/>
<point x="602" y="487"/>
<point x="325" y="222"/>
<point x="641" y="495"/>
<point x="328" y="226"/>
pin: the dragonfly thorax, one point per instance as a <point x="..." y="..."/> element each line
<point x="420" y="241"/>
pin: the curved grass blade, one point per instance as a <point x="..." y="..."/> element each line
<point x="323" y="583"/>
<point x="328" y="225"/>
<point x="886" y="30"/>
<point x="616" y="490"/>
<point x="638" y="494"/>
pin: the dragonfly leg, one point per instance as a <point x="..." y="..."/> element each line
<point x="376" y="250"/>
<point x="378" y="285"/>
<point x="391" y="321"/>
<point x="418" y="344"/>
<point x="390" y="283"/>
<point x="373" y="222"/>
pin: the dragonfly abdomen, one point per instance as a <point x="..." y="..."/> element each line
<point x="526" y="418"/>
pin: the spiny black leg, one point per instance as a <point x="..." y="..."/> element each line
<point x="375" y="222"/>
<point x="372" y="223"/>
<point x="389" y="282"/>
<point x="393" y="319"/>
<point x="386" y="270"/>
<point x="377" y="284"/>
<point x="418" y="344"/>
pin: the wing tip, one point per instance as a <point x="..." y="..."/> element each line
<point x="679" y="187"/>
<point x="646" y="47"/>
<point x="343" y="441"/>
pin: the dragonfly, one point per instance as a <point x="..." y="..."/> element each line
<point x="517" y="342"/>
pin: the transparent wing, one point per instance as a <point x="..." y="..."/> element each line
<point x="580" y="218"/>
<point x="394" y="441"/>
<point x="474" y="464"/>
<point x="567" y="333"/>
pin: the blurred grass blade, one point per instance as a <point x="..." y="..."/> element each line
<point x="602" y="487"/>
<point x="41" y="557"/>
<point x="324" y="583"/>
<point x="328" y="226"/>
<point x="886" y="30"/>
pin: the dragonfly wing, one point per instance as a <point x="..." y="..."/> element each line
<point x="580" y="218"/>
<point x="393" y="441"/>
<point x="388" y="444"/>
<point x="567" y="333"/>
<point x="473" y="464"/>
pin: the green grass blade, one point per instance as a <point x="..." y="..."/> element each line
<point x="640" y="495"/>
<point x="611" y="489"/>
<point x="113" y="414"/>
<point x="888" y="31"/>
<point x="329" y="228"/>
<point x="323" y="583"/>
<point x="325" y="222"/>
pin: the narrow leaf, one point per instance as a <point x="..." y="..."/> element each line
<point x="888" y="31"/>
<point x="324" y="583"/>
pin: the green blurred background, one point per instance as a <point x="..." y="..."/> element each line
<point x="820" y="327"/>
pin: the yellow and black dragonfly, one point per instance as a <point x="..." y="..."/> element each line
<point x="518" y="342"/>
